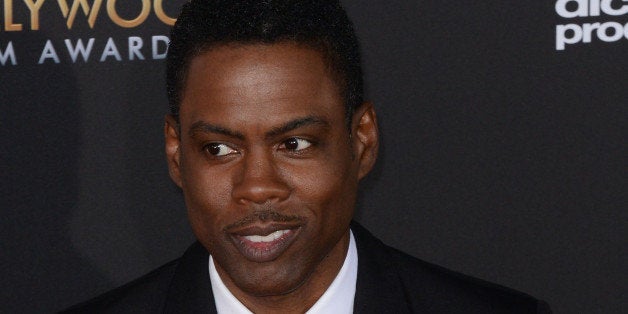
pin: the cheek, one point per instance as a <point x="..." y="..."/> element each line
<point x="207" y="194"/>
<point x="328" y="186"/>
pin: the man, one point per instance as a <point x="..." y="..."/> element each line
<point x="268" y="138"/>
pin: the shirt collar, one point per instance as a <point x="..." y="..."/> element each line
<point x="338" y="298"/>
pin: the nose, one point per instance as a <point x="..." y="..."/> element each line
<point x="259" y="180"/>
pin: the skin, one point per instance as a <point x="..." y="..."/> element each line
<point x="261" y="144"/>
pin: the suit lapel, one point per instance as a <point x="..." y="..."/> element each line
<point x="379" y="288"/>
<point x="190" y="290"/>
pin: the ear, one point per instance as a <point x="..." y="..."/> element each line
<point x="366" y="141"/>
<point x="173" y="152"/>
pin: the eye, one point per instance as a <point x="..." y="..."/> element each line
<point x="218" y="149"/>
<point x="296" y="144"/>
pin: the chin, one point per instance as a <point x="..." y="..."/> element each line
<point x="270" y="281"/>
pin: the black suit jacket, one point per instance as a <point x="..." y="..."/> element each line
<point x="389" y="281"/>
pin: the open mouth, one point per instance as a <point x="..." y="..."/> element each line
<point x="264" y="243"/>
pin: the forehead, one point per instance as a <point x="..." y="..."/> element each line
<point x="241" y="82"/>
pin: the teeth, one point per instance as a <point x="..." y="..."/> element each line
<point x="269" y="238"/>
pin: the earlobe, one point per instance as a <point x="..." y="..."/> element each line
<point x="173" y="153"/>
<point x="367" y="138"/>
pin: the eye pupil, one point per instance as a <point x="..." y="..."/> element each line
<point x="292" y="144"/>
<point x="214" y="149"/>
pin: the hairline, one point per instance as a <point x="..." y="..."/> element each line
<point x="322" y="47"/>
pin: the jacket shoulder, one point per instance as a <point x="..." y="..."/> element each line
<point x="385" y="273"/>
<point x="143" y="295"/>
<point x="441" y="289"/>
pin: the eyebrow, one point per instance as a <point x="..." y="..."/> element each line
<point x="297" y="123"/>
<point x="205" y="127"/>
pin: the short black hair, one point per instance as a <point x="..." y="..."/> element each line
<point x="322" y="25"/>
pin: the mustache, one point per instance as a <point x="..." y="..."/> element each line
<point x="264" y="216"/>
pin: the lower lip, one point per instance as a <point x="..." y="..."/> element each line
<point x="261" y="252"/>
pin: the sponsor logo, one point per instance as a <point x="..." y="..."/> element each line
<point x="72" y="10"/>
<point x="26" y="16"/>
<point x="606" y="26"/>
<point x="133" y="48"/>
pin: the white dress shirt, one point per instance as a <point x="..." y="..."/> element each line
<point x="338" y="298"/>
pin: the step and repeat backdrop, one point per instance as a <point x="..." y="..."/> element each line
<point x="503" y="157"/>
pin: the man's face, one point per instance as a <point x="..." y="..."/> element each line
<point x="267" y="165"/>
